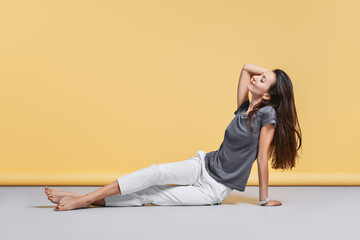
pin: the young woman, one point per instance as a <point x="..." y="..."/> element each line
<point x="265" y="127"/>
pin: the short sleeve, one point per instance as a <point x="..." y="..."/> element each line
<point x="242" y="106"/>
<point x="268" y="116"/>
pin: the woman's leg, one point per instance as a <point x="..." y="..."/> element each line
<point x="54" y="195"/>
<point x="183" y="173"/>
<point x="87" y="199"/>
<point x="164" y="195"/>
<point x="100" y="203"/>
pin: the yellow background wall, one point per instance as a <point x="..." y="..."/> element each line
<point x="93" y="90"/>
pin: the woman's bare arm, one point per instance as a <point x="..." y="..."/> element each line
<point x="246" y="74"/>
<point x="243" y="91"/>
<point x="266" y="136"/>
<point x="254" y="69"/>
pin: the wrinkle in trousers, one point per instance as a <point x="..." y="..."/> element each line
<point x="194" y="185"/>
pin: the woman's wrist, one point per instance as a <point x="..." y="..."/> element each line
<point x="254" y="69"/>
<point x="264" y="201"/>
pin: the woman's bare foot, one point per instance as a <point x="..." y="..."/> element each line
<point x="55" y="195"/>
<point x="69" y="203"/>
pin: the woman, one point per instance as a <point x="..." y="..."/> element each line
<point x="208" y="178"/>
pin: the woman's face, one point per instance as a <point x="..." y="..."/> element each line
<point x="260" y="84"/>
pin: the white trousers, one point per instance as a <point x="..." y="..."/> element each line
<point x="194" y="185"/>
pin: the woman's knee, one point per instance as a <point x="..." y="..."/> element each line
<point x="157" y="171"/>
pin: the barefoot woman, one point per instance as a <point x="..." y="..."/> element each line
<point x="263" y="128"/>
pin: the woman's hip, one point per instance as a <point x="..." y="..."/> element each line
<point x="217" y="190"/>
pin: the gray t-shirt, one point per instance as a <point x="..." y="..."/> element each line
<point x="232" y="163"/>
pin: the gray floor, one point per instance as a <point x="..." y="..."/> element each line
<point x="306" y="213"/>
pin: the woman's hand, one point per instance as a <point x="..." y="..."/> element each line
<point x="272" y="203"/>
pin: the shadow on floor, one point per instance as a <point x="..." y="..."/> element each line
<point x="234" y="199"/>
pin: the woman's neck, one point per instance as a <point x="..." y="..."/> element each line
<point x="253" y="102"/>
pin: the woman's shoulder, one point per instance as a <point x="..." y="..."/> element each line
<point x="267" y="110"/>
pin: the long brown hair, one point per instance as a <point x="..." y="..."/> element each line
<point x="283" y="148"/>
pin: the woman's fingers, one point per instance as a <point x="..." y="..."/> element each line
<point x="273" y="203"/>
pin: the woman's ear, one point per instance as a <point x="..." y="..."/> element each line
<point x="266" y="96"/>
